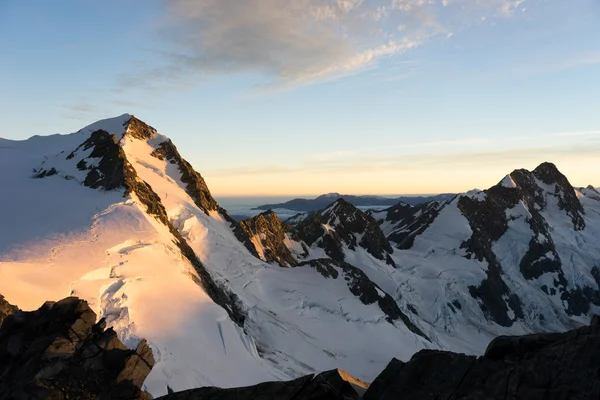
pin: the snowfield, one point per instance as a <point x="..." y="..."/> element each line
<point x="60" y="238"/>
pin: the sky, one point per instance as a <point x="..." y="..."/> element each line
<point x="303" y="97"/>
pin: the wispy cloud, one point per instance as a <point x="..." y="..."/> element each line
<point x="297" y="42"/>
<point x="589" y="58"/>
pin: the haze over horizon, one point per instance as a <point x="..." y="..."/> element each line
<point x="266" y="97"/>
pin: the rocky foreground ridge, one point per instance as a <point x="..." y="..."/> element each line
<point x="60" y="352"/>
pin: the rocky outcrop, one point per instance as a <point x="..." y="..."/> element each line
<point x="139" y="129"/>
<point x="489" y="215"/>
<point x="60" y="352"/>
<point x="488" y="221"/>
<point x="542" y="366"/>
<point x="195" y="186"/>
<point x="265" y="236"/>
<point x="402" y="222"/>
<point x="329" y="385"/>
<point x="362" y="287"/>
<point x="6" y="309"/>
<point x="343" y="225"/>
<point x="563" y="191"/>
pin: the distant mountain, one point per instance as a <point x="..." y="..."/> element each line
<point x="324" y="200"/>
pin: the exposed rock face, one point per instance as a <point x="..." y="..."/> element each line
<point x="541" y="366"/>
<point x="402" y="222"/>
<point x="195" y="185"/>
<point x="266" y="232"/>
<point x="341" y="224"/>
<point x="60" y="352"/>
<point x="362" y="287"/>
<point x="6" y="309"/>
<point x="489" y="222"/>
<point x="330" y="385"/>
<point x="139" y="129"/>
<point x="563" y="191"/>
<point x="489" y="218"/>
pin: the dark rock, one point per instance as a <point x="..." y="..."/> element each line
<point x="362" y="287"/>
<point x="272" y="233"/>
<point x="329" y="385"/>
<point x="139" y="129"/>
<point x="195" y="185"/>
<point x="554" y="366"/>
<point x="489" y="221"/>
<point x="347" y="223"/>
<point x="6" y="309"/>
<point x="409" y="221"/>
<point x="46" y="173"/>
<point x="567" y="199"/>
<point x="58" y="352"/>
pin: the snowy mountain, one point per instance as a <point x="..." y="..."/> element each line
<point x="340" y="227"/>
<point x="115" y="215"/>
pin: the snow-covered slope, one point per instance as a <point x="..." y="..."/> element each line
<point x="115" y="215"/>
<point x="519" y="257"/>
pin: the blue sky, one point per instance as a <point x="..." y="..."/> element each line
<point x="270" y="97"/>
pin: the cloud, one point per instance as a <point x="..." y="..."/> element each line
<point x="296" y="42"/>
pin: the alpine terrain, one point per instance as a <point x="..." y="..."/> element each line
<point x="113" y="214"/>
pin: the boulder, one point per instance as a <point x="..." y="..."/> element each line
<point x="60" y="352"/>
<point x="553" y="366"/>
<point x="329" y="385"/>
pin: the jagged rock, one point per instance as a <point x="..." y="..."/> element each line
<point x="489" y="217"/>
<point x="60" y="352"/>
<point x="347" y="224"/>
<point x="362" y="287"/>
<point x="329" y="385"/>
<point x="139" y="129"/>
<point x="542" y="366"/>
<point x="567" y="199"/>
<point x="6" y="309"/>
<point x="195" y="185"/>
<point x="402" y="222"/>
<point x="266" y="232"/>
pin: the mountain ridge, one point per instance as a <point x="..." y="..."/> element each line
<point x="307" y="205"/>
<point x="145" y="237"/>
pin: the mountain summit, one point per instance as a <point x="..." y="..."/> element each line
<point x="115" y="215"/>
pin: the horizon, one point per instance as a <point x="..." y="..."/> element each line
<point x="354" y="96"/>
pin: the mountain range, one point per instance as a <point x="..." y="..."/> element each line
<point x="115" y="215"/>
<point x="304" y="205"/>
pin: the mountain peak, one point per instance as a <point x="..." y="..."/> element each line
<point x="331" y="195"/>
<point x="548" y="173"/>
<point x="265" y="236"/>
<point x="139" y="129"/>
<point x="592" y="188"/>
<point x="115" y="125"/>
<point x="341" y="225"/>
